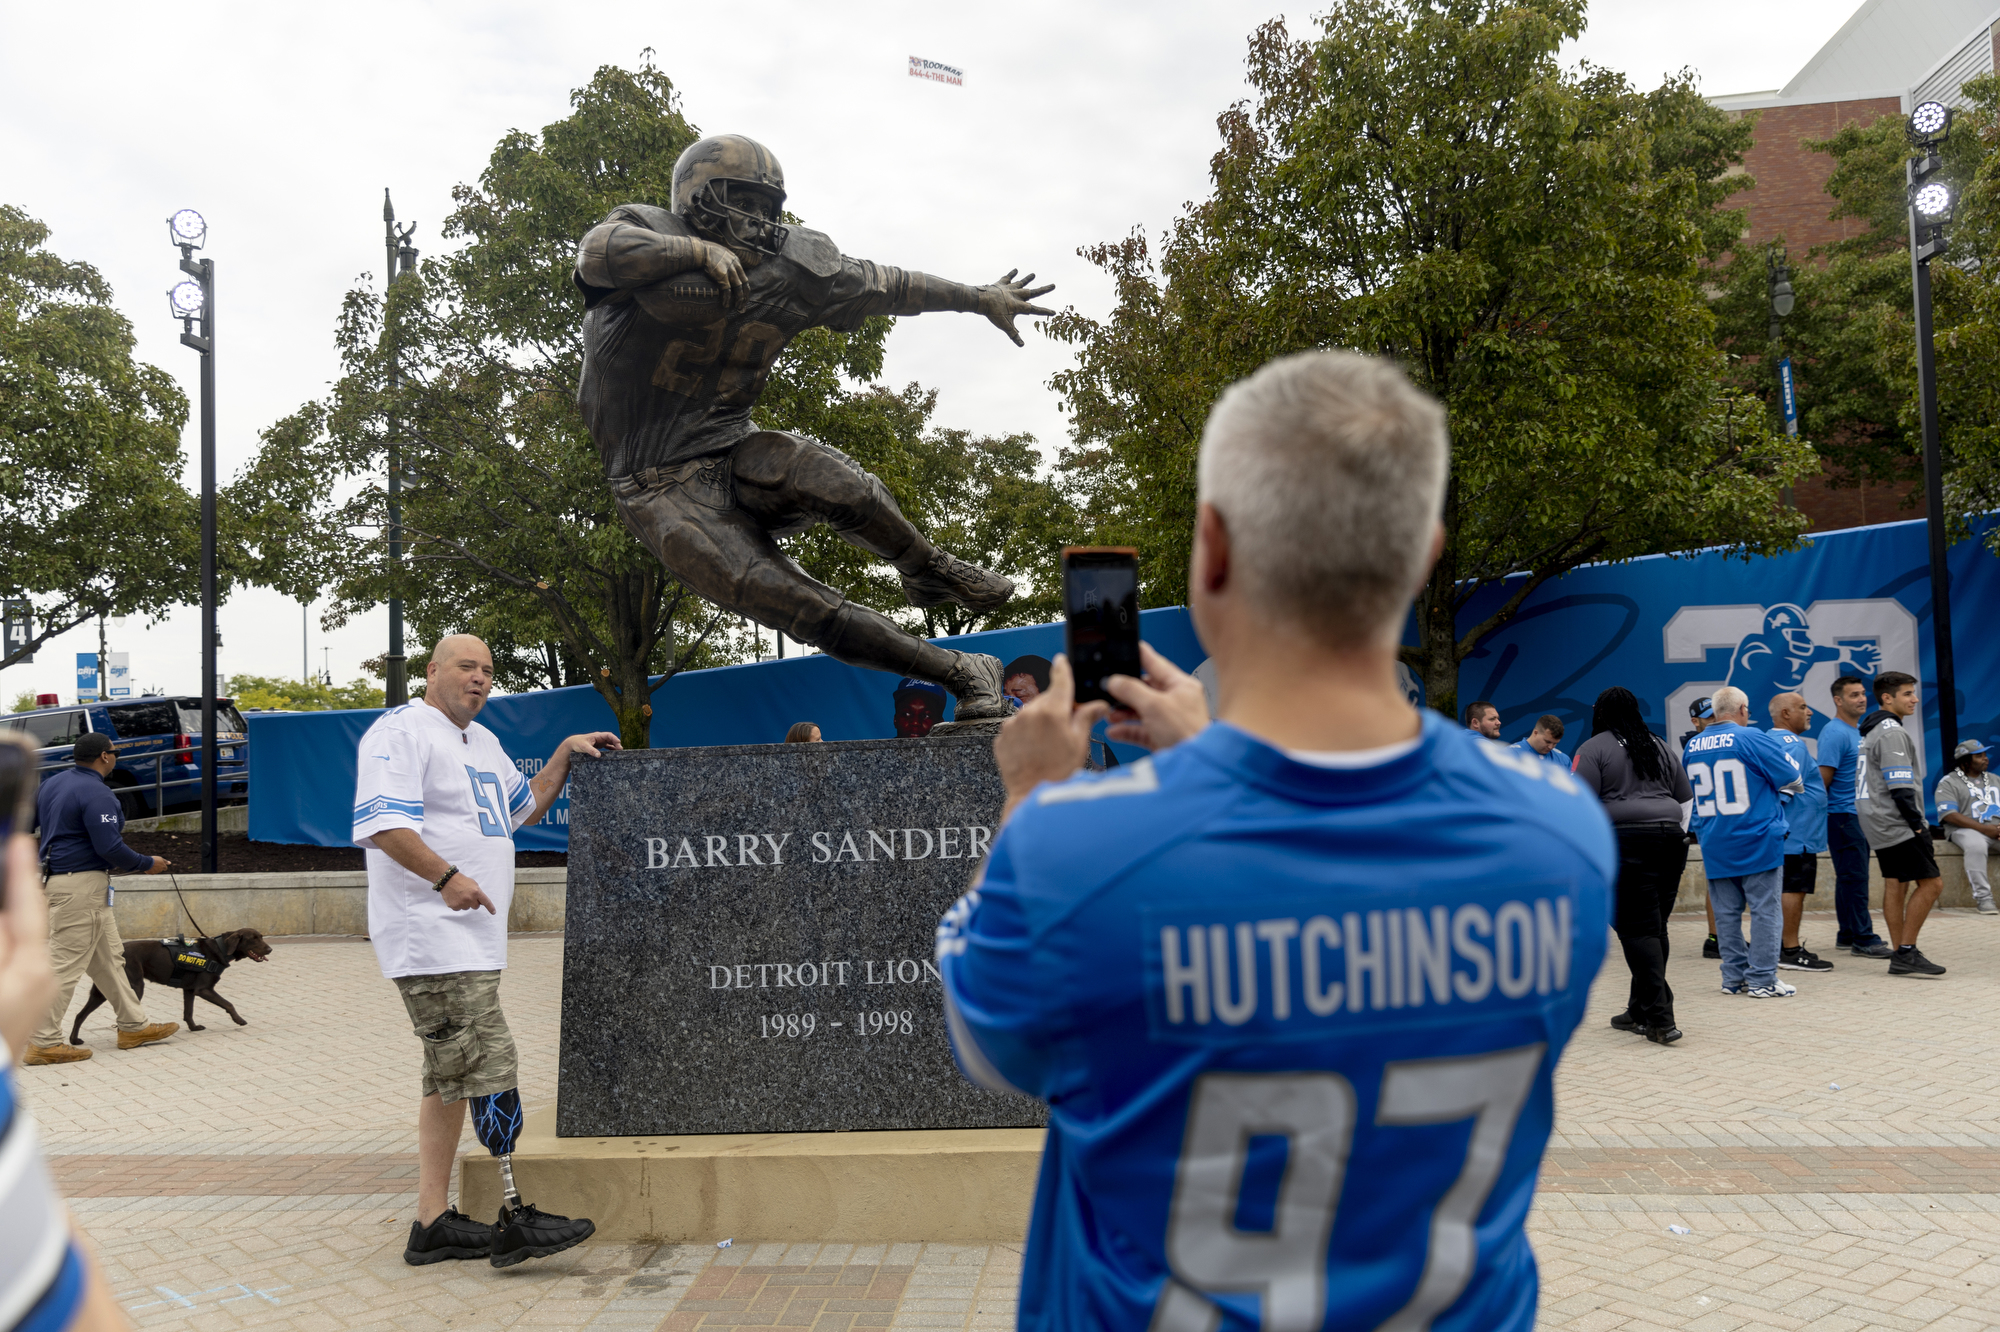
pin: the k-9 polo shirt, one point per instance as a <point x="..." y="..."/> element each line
<point x="1296" y="1027"/>
<point x="460" y="792"/>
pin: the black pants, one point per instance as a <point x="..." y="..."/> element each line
<point x="1651" y="857"/>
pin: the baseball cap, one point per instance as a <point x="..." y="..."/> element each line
<point x="1968" y="747"/>
<point x="909" y="684"/>
<point x="91" y="747"/>
<point x="1702" y="709"/>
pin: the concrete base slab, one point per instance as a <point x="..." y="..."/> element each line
<point x="939" y="1185"/>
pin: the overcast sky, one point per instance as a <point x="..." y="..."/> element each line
<point x="1077" y="121"/>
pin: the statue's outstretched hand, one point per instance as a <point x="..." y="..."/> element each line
<point x="1003" y="300"/>
<point x="725" y="270"/>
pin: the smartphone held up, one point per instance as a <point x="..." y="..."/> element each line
<point x="1100" y="615"/>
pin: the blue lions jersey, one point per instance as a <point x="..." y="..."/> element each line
<point x="1296" y="1026"/>
<point x="1805" y="813"/>
<point x="1555" y="756"/>
<point x="1741" y="779"/>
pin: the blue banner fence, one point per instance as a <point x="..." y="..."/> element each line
<point x="1670" y="630"/>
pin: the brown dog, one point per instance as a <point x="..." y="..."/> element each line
<point x="152" y="960"/>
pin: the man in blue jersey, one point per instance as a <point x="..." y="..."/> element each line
<point x="1805" y="830"/>
<point x="1742" y="779"/>
<point x="1846" y="842"/>
<point x="1298" y="1063"/>
<point x="1542" y="741"/>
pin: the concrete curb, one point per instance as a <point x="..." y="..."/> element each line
<point x="329" y="902"/>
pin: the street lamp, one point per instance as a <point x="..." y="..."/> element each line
<point x="400" y="257"/>
<point x="1783" y="300"/>
<point x="190" y="300"/>
<point x="1931" y="198"/>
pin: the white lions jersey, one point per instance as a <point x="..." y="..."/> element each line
<point x="460" y="792"/>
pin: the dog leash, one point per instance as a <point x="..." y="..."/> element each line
<point x="200" y="933"/>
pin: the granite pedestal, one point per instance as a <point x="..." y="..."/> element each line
<point x="749" y="939"/>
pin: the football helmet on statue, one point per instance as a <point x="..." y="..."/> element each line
<point x="730" y="188"/>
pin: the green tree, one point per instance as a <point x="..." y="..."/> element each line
<point x="24" y="701"/>
<point x="93" y="519"/>
<point x="1422" y="180"/>
<point x="264" y="691"/>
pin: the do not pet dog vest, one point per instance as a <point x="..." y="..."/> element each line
<point x="200" y="958"/>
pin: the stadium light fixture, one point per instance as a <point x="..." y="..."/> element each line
<point x="1930" y="123"/>
<point x="1933" y="202"/>
<point x="186" y="299"/>
<point x="188" y="229"/>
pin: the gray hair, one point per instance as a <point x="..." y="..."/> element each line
<point x="1329" y="470"/>
<point x="1728" y="701"/>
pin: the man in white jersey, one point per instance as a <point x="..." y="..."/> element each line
<point x="436" y="803"/>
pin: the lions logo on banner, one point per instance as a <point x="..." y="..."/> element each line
<point x="1777" y="649"/>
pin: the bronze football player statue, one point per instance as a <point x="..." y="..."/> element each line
<point x="688" y="309"/>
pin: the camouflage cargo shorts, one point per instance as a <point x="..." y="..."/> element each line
<point x="468" y="1050"/>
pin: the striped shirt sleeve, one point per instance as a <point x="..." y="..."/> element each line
<point x="41" y="1272"/>
<point x="388" y="784"/>
<point x="520" y="797"/>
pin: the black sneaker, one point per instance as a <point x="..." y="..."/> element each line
<point x="1876" y="949"/>
<point x="1663" y="1035"/>
<point x="1624" y="1022"/>
<point x="527" y="1233"/>
<point x="1711" y="949"/>
<point x="452" y="1235"/>
<point x="1909" y="962"/>
<point x="1799" y="959"/>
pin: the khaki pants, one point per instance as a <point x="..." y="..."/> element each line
<point x="83" y="940"/>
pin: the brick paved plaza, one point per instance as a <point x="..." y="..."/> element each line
<point x="263" y="1176"/>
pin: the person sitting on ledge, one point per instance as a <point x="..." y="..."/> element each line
<point x="1298" y="1063"/>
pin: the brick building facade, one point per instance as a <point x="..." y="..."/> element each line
<point x="1889" y="56"/>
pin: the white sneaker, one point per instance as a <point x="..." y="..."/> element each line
<point x="1777" y="989"/>
<point x="1986" y="908"/>
<point x="1737" y="988"/>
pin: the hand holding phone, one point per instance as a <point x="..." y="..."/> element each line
<point x="1164" y="708"/>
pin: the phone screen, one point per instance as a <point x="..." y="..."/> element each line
<point x="1100" y="615"/>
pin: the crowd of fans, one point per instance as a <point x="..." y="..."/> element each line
<point x="1763" y="807"/>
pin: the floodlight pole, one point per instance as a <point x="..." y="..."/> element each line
<point x="203" y="271"/>
<point x="395" y="679"/>
<point x="1926" y="243"/>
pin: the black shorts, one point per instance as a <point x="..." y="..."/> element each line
<point x="1908" y="862"/>
<point x="1800" y="871"/>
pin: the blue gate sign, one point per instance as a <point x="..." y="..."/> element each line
<point x="1785" y="391"/>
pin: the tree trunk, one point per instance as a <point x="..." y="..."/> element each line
<point x="1437" y="626"/>
<point x="1437" y="637"/>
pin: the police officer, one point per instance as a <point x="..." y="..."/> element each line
<point x="83" y="841"/>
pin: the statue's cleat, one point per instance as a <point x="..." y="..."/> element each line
<point x="974" y="680"/>
<point x="948" y="578"/>
<point x="524" y="1232"/>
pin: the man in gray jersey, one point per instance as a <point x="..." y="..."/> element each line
<point x="1968" y="805"/>
<point x="1889" y="797"/>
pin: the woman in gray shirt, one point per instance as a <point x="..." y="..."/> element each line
<point x="1639" y="778"/>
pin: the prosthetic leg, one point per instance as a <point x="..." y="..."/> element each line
<point x="496" y="1122"/>
<point x="522" y="1231"/>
